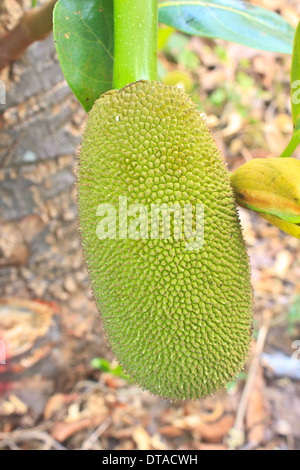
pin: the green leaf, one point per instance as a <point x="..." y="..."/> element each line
<point x="118" y="372"/>
<point x="83" y="33"/>
<point x="295" y="97"/>
<point x="163" y="35"/>
<point x="232" y="20"/>
<point x="293" y="316"/>
<point x="295" y="78"/>
<point x="101" y="364"/>
<point x="105" y="366"/>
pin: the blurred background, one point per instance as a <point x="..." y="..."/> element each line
<point x="59" y="385"/>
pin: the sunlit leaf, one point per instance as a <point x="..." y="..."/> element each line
<point x="232" y="20"/>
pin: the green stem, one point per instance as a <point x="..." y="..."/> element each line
<point x="135" y="41"/>
<point x="294" y="142"/>
<point x="290" y="149"/>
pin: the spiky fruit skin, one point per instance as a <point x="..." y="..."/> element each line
<point x="178" y="321"/>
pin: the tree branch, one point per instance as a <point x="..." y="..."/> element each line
<point x="35" y="25"/>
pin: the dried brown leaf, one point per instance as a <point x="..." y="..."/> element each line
<point x="62" y="431"/>
<point x="141" y="438"/>
<point x="171" y="431"/>
<point x="56" y="403"/>
<point x="216" y="431"/>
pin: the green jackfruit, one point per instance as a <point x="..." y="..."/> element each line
<point x="178" y="315"/>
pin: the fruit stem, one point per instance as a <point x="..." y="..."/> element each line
<point x="294" y="142"/>
<point x="135" y="41"/>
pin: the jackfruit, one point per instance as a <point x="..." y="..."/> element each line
<point x="177" y="310"/>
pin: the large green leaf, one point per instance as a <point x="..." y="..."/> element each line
<point x="295" y="97"/>
<point x="232" y="20"/>
<point x="83" y="33"/>
<point x="295" y="78"/>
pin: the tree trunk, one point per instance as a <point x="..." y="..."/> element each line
<point x="40" y="252"/>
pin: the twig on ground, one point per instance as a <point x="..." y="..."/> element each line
<point x="89" y="443"/>
<point x="30" y="434"/>
<point x="237" y="433"/>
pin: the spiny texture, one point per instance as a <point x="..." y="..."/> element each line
<point x="178" y="320"/>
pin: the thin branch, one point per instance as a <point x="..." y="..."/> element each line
<point x="35" y="25"/>
<point x="237" y="432"/>
<point x="89" y="443"/>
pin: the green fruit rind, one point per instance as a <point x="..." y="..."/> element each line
<point x="178" y="321"/>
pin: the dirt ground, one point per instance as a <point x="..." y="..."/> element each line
<point x="51" y="397"/>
